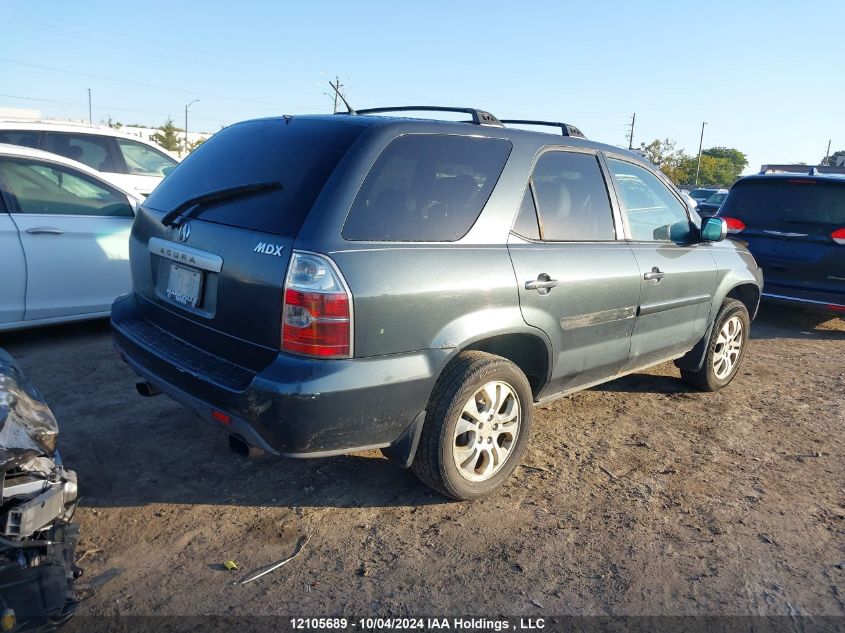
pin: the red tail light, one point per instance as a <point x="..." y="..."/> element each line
<point x="735" y="225"/>
<point x="317" y="313"/>
<point x="839" y="236"/>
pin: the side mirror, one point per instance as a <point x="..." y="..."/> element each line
<point x="714" y="229"/>
<point x="678" y="232"/>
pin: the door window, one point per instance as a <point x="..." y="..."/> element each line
<point x="572" y="198"/>
<point x="88" y="149"/>
<point x="45" y="188"/>
<point x="144" y="160"/>
<point x="653" y="213"/>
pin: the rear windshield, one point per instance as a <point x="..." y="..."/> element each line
<point x="794" y="202"/>
<point x="426" y="188"/>
<point x="300" y="154"/>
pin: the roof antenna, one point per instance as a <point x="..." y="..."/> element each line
<point x="337" y="91"/>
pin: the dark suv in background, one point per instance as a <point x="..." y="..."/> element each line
<point x="794" y="225"/>
<point x="319" y="285"/>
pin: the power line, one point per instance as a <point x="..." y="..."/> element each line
<point x="101" y="40"/>
<point x="132" y="83"/>
<point x="35" y="99"/>
<point x="76" y="103"/>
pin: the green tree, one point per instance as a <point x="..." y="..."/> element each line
<point x="114" y="124"/>
<point x="737" y="159"/>
<point x="196" y="144"/>
<point x="168" y="136"/>
<point x="661" y="153"/>
<point x="714" y="171"/>
<point x="719" y="165"/>
<point x="835" y="158"/>
<point x="664" y="155"/>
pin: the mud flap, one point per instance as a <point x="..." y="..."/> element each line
<point x="402" y="451"/>
<point x="693" y="360"/>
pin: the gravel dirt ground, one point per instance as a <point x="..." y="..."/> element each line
<point x="638" y="497"/>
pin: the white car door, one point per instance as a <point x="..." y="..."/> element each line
<point x="74" y="229"/>
<point x="13" y="267"/>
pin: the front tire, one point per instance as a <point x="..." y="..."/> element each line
<point x="476" y="426"/>
<point x="725" y="349"/>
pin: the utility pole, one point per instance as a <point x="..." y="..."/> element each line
<point x="700" y="145"/>
<point x="827" y="155"/>
<point x="631" y="135"/>
<point x="337" y="86"/>
<point x="90" y="118"/>
<point x="186" y="124"/>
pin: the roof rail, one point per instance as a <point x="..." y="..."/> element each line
<point x="479" y="117"/>
<point x="565" y="128"/>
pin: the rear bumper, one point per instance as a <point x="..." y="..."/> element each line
<point x="295" y="406"/>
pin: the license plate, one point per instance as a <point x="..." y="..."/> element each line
<point x="184" y="285"/>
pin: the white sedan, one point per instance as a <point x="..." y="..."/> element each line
<point x="64" y="239"/>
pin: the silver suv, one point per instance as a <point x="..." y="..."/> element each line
<point x="317" y="285"/>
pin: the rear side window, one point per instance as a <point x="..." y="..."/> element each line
<point x="300" y="154"/>
<point x="526" y="224"/>
<point x="804" y="205"/>
<point x="88" y="149"/>
<point x="426" y="188"/>
<point x="24" y="138"/>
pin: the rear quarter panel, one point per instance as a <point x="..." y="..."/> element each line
<point x="415" y="297"/>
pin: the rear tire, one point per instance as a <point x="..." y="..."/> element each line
<point x="476" y="427"/>
<point x="725" y="349"/>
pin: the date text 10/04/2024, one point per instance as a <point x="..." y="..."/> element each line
<point x="419" y="624"/>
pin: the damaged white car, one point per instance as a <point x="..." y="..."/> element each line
<point x="37" y="501"/>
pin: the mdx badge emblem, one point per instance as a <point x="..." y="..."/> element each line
<point x="184" y="232"/>
<point x="269" y="249"/>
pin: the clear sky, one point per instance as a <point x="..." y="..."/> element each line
<point x="767" y="76"/>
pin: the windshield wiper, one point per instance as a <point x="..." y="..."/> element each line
<point x="175" y="216"/>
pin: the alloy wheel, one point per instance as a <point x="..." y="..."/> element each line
<point x="486" y="431"/>
<point x="728" y="348"/>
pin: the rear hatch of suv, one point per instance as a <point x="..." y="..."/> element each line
<point x="210" y="274"/>
<point x="795" y="228"/>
